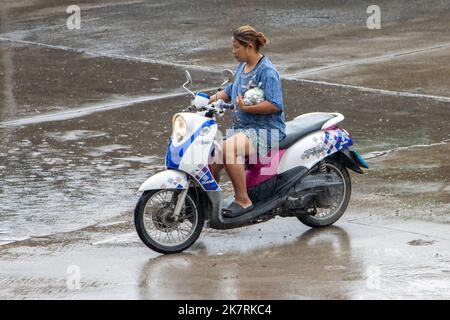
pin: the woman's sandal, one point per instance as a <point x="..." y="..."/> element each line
<point x="235" y="210"/>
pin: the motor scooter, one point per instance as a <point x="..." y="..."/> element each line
<point x="305" y="177"/>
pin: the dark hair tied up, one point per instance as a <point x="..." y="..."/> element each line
<point x="246" y="35"/>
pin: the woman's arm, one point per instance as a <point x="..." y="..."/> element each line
<point x="264" y="107"/>
<point x="219" y="95"/>
<point x="272" y="92"/>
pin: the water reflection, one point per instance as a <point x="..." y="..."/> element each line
<point x="7" y="108"/>
<point x="8" y="101"/>
<point x="298" y="269"/>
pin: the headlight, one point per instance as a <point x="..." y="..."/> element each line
<point x="179" y="128"/>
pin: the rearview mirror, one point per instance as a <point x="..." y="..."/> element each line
<point x="188" y="77"/>
<point x="188" y="81"/>
<point x="228" y="76"/>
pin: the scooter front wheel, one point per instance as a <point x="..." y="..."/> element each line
<point x="158" y="227"/>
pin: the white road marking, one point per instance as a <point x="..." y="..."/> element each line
<point x="377" y="154"/>
<point x="292" y="77"/>
<point x="375" y="90"/>
<point x="110" y="55"/>
<point x="370" y="60"/>
<point x="81" y="112"/>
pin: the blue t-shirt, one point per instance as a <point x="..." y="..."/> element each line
<point x="266" y="74"/>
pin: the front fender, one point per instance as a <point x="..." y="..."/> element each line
<point x="168" y="179"/>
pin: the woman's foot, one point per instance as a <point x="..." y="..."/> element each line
<point x="236" y="209"/>
<point x="243" y="201"/>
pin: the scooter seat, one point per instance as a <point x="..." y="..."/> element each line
<point x="303" y="125"/>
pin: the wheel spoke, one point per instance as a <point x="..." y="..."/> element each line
<point x="187" y="231"/>
<point x="158" y="222"/>
<point x="337" y="193"/>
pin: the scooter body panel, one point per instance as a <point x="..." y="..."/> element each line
<point x="193" y="154"/>
<point x="314" y="147"/>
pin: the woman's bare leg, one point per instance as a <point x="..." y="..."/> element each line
<point x="233" y="148"/>
<point x="217" y="166"/>
<point x="216" y="170"/>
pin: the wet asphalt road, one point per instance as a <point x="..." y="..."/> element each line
<point x="85" y="116"/>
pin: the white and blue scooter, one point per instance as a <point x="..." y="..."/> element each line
<point x="305" y="178"/>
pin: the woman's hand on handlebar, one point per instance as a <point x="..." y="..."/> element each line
<point x="220" y="95"/>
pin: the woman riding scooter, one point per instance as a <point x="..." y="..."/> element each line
<point x="256" y="126"/>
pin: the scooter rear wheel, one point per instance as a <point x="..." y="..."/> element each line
<point x="317" y="220"/>
<point x="157" y="227"/>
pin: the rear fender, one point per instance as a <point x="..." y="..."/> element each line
<point x="351" y="160"/>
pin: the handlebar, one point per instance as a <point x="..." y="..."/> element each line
<point x="229" y="106"/>
<point x="216" y="107"/>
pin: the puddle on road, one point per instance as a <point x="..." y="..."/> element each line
<point x="63" y="175"/>
<point x="288" y="262"/>
<point x="66" y="170"/>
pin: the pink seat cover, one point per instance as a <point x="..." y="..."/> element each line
<point x="264" y="169"/>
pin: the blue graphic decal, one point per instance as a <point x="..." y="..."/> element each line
<point x="205" y="178"/>
<point x="328" y="143"/>
<point x="339" y="140"/>
<point x="345" y="140"/>
<point x="208" y="182"/>
<point x="327" y="136"/>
